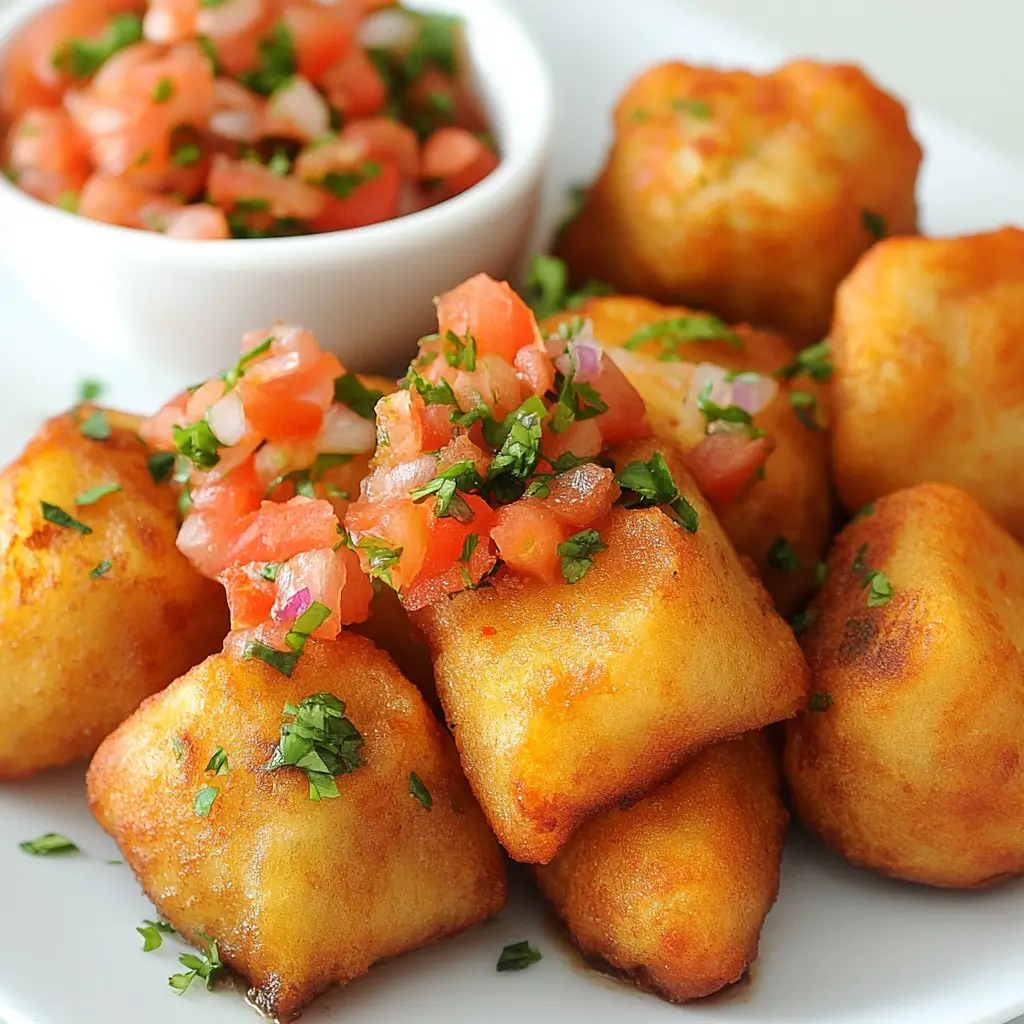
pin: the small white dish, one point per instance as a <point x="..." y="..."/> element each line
<point x="365" y="292"/>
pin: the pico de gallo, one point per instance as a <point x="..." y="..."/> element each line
<point x="213" y="119"/>
<point x="268" y="456"/>
<point x="493" y="454"/>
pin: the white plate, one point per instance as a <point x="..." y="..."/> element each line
<point x="840" y="947"/>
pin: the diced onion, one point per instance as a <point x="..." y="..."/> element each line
<point x="346" y="432"/>
<point x="236" y="125"/>
<point x="228" y="19"/>
<point x="754" y="392"/>
<point x="290" y="609"/>
<point x="158" y="25"/>
<point x="298" y="104"/>
<point x="398" y="480"/>
<point x="227" y="419"/>
<point x="582" y="356"/>
<point x="386" y="30"/>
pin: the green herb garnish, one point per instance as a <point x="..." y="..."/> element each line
<point x="164" y="90"/>
<point x="152" y="933"/>
<point x="277" y="62"/>
<point x="341" y="184"/>
<point x="805" y="405"/>
<point x="680" y="330"/>
<point x="283" y="661"/>
<point x="783" y="556"/>
<point x="381" y="557"/>
<point x="459" y="352"/>
<point x="218" y="763"/>
<point x="203" y="801"/>
<point x="237" y="372"/>
<point x="349" y="390"/>
<point x="815" y="361"/>
<point x="820" y="701"/>
<point x="81" y="57"/>
<point x="179" y="747"/>
<point x="186" y="155"/>
<point x="420" y="792"/>
<point x="874" y="224"/>
<point x="435" y="44"/>
<point x="100" y="570"/>
<point x="645" y="484"/>
<point x="95" y="426"/>
<point x="577" y="554"/>
<point x="715" y="413"/>
<point x="90" y="390"/>
<point x="460" y="476"/>
<point x="47" y="845"/>
<point x="56" y="515"/>
<point x="306" y="624"/>
<point x="91" y="496"/>
<point x="695" y="108"/>
<point x="198" y="443"/>
<point x="319" y="740"/>
<point x="802" y="619"/>
<point x="518" y="956"/>
<point x="469" y="546"/>
<point x="207" y="968"/>
<point x="160" y="466"/>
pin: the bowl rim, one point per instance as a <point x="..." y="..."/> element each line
<point x="413" y="229"/>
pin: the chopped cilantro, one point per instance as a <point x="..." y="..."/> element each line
<point x="858" y="559"/>
<point x="207" y="968"/>
<point x="519" y="448"/>
<point x="270" y="571"/>
<point x="460" y="476"/>
<point x="152" y="933"/>
<point x="321" y="741"/>
<point x="695" y="108"/>
<point x="432" y="394"/>
<point x="650" y="483"/>
<point x="573" y="402"/>
<point x="518" y="956"/>
<point x="81" y="57"/>
<point x="56" y="515"/>
<point x="47" y="845"/>
<point x="481" y="413"/>
<point x="203" y="801"/>
<point x="435" y="44"/>
<point x="160" y="466"/>
<point x="350" y="391"/>
<point x="164" y="90"/>
<point x="640" y="115"/>
<point x="68" y="201"/>
<point x="783" y="556"/>
<point x="91" y="496"/>
<point x="874" y="224"/>
<point x="815" y="361"/>
<point x="341" y="184"/>
<point x="277" y="61"/>
<point x="179" y="746"/>
<point x="198" y="443"/>
<point x="95" y="426"/>
<point x="546" y="287"/>
<point x="469" y="546"/>
<point x="90" y="390"/>
<point x="420" y="792"/>
<point x="715" y="413"/>
<point x="186" y="155"/>
<point x="802" y="619"/>
<point x="218" y="763"/>
<point x="237" y="372"/>
<point x="283" y="661"/>
<point x="820" y="574"/>
<point x="100" y="570"/>
<point x="867" y="510"/>
<point x="381" y="558"/>
<point x="210" y="52"/>
<point x="670" y="334"/>
<point x="305" y="625"/>
<point x="820" y="701"/>
<point x="577" y="554"/>
<point x="459" y="352"/>
<point x="880" y="588"/>
<point x="805" y="405"/>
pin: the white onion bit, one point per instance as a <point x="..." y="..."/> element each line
<point x="299" y="104"/>
<point x="229" y="19"/>
<point x="346" y="432"/>
<point x="227" y="419"/>
<point x="386" y="30"/>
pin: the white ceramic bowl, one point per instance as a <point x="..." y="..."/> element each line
<point x="366" y="292"/>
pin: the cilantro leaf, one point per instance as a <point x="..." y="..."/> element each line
<point x="815" y="361"/>
<point x="341" y="184"/>
<point x="695" y="108"/>
<point x="81" y="57"/>
<point x="518" y="956"/>
<point x="91" y="496"/>
<point x="460" y="476"/>
<point x="321" y="741"/>
<point x="546" y="287"/>
<point x="152" y="933"/>
<point x="577" y="554"/>
<point x="349" y="390"/>
<point x="802" y="619"/>
<point x="207" y="968"/>
<point x="432" y="394"/>
<point x="783" y="556"/>
<point x="820" y="701"/>
<point x="381" y="558"/>
<point x="198" y="443"/>
<point x="90" y="390"/>
<point x="160" y="465"/>
<point x="203" y="801"/>
<point x="459" y="352"/>
<point x="56" y="515"/>
<point x="218" y="763"/>
<point x="277" y="61"/>
<point x="519" y="448"/>
<point x="804" y="404"/>
<point x="881" y="589"/>
<point x="715" y="413"/>
<point x="574" y="402"/>
<point x="100" y="570"/>
<point x="95" y="426"/>
<point x="308" y="622"/>
<point x="283" y="661"/>
<point x="645" y="484"/>
<point x="435" y="44"/>
<point x="237" y="372"/>
<point x="47" y="845"/>
<point x="420" y="792"/>
<point x="469" y="546"/>
<point x="179" y="747"/>
<point x="874" y="224"/>
<point x="670" y="334"/>
<point x="164" y="90"/>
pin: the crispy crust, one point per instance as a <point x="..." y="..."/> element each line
<point x="917" y="768"/>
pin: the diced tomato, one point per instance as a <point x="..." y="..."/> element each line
<point x="232" y="496"/>
<point x="448" y="534"/>
<point x="382" y="138"/>
<point x="321" y="33"/>
<point x="156" y="429"/>
<point x="205" y="539"/>
<point x="234" y="180"/>
<point x="279" y="531"/>
<point x="581" y="438"/>
<point x="583" y="495"/>
<point x="354" y="86"/>
<point x="528" y="535"/>
<point x="321" y="573"/>
<point x="289" y="405"/>
<point x="399" y="523"/>
<point x="199" y="222"/>
<point x="204" y="396"/>
<point x="725" y="465"/>
<point x="626" y="417"/>
<point x="535" y="369"/>
<point x="462" y="449"/>
<point x="457" y="158"/>
<point x="428" y="589"/>
<point x="496" y="316"/>
<point x="357" y="593"/>
<point x="494" y="382"/>
<point x="46" y="140"/>
<point x="250" y="595"/>
<point x="375" y="200"/>
<point x="116" y="201"/>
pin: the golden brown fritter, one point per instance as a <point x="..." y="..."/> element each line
<point x="565" y="700"/>
<point x="792" y="501"/>
<point x="80" y="652"/>
<point x="751" y="195"/>
<point x="300" y="895"/>
<point x="915" y="764"/>
<point x="672" y="892"/>
<point x="929" y="371"/>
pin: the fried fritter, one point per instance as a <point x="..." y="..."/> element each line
<point x="792" y="501"/>
<point x="300" y="894"/>
<point x="929" y="371"/>
<point x="90" y="622"/>
<point x="567" y="699"/>
<point x="913" y="762"/>
<point x="748" y="194"/>
<point x="673" y="891"/>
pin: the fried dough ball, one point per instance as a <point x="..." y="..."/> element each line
<point x="672" y="892"/>
<point x="565" y="700"/>
<point x="929" y="371"/>
<point x="92" y="622"/>
<point x="748" y="194"/>
<point x="913" y="764"/>
<point x="300" y="895"/>
<point x="787" y="512"/>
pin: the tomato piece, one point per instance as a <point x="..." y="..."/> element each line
<point x="354" y="86"/>
<point x="322" y="34"/>
<point x="375" y="200"/>
<point x="199" y="221"/>
<point x="535" y="369"/>
<point x="583" y="495"/>
<point x="234" y="180"/>
<point x="47" y="140"/>
<point x="357" y="593"/>
<point x="427" y="590"/>
<point x="528" y="535"/>
<point x="382" y="138"/>
<point x="448" y="535"/>
<point x="207" y="394"/>
<point x="278" y="531"/>
<point x="250" y="595"/>
<point x="323" y="575"/>
<point x="276" y="414"/>
<point x="399" y="523"/>
<point x="581" y="438"/>
<point x="232" y="496"/>
<point x="116" y="201"/>
<point x="626" y="418"/>
<point x="458" y="159"/>
<point x="725" y="465"/>
<point x="496" y="316"/>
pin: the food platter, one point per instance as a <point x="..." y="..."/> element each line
<point x="840" y="946"/>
